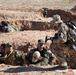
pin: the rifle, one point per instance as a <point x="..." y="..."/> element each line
<point x="48" y="38"/>
<point x="51" y="38"/>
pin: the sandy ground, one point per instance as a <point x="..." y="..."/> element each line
<point x="55" y="4"/>
<point x="33" y="70"/>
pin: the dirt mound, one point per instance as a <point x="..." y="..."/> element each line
<point x="66" y="15"/>
<point x="34" y="20"/>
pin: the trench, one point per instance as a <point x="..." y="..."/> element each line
<point x="24" y="24"/>
<point x="37" y="23"/>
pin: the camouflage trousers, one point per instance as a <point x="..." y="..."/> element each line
<point x="44" y="62"/>
<point x="64" y="53"/>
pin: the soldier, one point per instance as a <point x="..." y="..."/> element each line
<point x="40" y="56"/>
<point x="59" y="39"/>
<point x="12" y="57"/>
<point x="6" y="27"/>
<point x="62" y="30"/>
<point x="66" y="32"/>
<point x="61" y="35"/>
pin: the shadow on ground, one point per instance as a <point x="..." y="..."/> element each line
<point x="33" y="68"/>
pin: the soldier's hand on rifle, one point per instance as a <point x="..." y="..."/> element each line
<point x="48" y="38"/>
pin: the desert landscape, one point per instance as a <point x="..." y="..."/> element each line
<point x="33" y="23"/>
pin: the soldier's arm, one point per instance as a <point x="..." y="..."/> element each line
<point x="7" y="56"/>
<point x="62" y="34"/>
<point x="52" y="57"/>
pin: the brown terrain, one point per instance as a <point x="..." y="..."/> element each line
<point x="28" y="17"/>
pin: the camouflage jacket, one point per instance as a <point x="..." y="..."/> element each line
<point x="62" y="34"/>
<point x="14" y="58"/>
<point x="47" y="55"/>
<point x="10" y="28"/>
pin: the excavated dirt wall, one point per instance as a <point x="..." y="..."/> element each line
<point x="24" y="40"/>
<point x="66" y="15"/>
<point x="35" y="20"/>
<point x="30" y="25"/>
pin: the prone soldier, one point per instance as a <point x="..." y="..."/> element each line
<point x="40" y="56"/>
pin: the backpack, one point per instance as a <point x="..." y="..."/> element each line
<point x="71" y="24"/>
<point x="72" y="31"/>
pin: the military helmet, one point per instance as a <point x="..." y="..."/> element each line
<point x="8" y="45"/>
<point x="57" y="18"/>
<point x="41" y="41"/>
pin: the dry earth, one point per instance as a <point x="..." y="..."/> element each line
<point x="27" y="16"/>
<point x="22" y="40"/>
<point x="33" y="70"/>
<point x="55" y="4"/>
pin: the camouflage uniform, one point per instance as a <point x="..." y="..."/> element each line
<point x="60" y="39"/>
<point x="62" y="34"/>
<point x="62" y="44"/>
<point x="11" y="56"/>
<point x="62" y="30"/>
<point x="14" y="58"/>
<point x="47" y="57"/>
<point x="66" y="35"/>
<point x="7" y="27"/>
